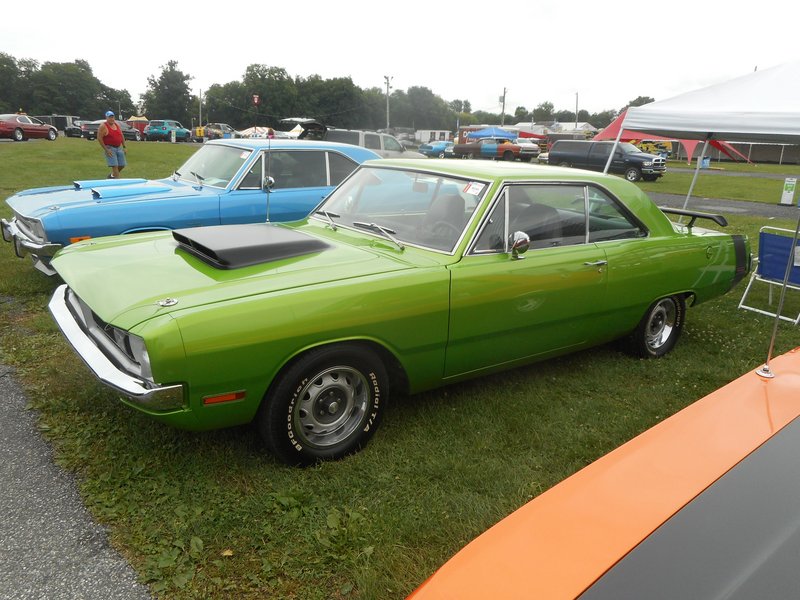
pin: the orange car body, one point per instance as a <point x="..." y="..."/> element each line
<point x="563" y="541"/>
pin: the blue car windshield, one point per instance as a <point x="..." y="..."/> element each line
<point x="414" y="207"/>
<point x="214" y="166"/>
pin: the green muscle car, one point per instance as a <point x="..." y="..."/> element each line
<point x="407" y="277"/>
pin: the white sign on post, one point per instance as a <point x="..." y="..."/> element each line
<point x="789" y="185"/>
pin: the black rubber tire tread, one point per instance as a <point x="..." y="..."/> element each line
<point x="275" y="420"/>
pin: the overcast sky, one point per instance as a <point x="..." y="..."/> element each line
<point x="608" y="52"/>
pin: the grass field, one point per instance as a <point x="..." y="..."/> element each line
<point x="212" y="515"/>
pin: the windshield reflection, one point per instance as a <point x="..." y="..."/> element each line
<point x="213" y="166"/>
<point x="421" y="209"/>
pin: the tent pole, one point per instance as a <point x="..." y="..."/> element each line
<point x="765" y="371"/>
<point x="614" y="147"/>
<point x="696" y="171"/>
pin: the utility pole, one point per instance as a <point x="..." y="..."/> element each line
<point x="503" y="112"/>
<point x="576" y="112"/>
<point x="200" y="99"/>
<point x="388" y="80"/>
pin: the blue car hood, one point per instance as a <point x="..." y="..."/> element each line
<point x="41" y="201"/>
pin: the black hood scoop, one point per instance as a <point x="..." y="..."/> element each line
<point x="235" y="246"/>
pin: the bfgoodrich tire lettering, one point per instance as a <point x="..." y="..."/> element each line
<point x="660" y="328"/>
<point x="324" y="406"/>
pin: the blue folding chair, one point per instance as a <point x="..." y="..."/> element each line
<point x="774" y="253"/>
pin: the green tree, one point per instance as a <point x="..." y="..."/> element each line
<point x="276" y="91"/>
<point x="372" y="110"/>
<point x="228" y="103"/>
<point x="426" y="110"/>
<point x="27" y="69"/>
<point x="564" y="116"/>
<point x="603" y="119"/>
<point x="487" y="118"/>
<point x="168" y="95"/>
<point x="543" y="112"/>
<point x="641" y="100"/>
<point x="67" y="88"/>
<point x="10" y="82"/>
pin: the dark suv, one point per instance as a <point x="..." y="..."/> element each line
<point x="628" y="159"/>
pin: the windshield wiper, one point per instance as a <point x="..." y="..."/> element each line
<point x="200" y="179"/>
<point x="329" y="214"/>
<point x="384" y="230"/>
<point x="176" y="175"/>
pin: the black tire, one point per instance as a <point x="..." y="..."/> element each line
<point x="19" y="135"/>
<point x="52" y="135"/>
<point x="441" y="154"/>
<point x="633" y="174"/>
<point x="325" y="405"/>
<point x="659" y="329"/>
<point x="508" y="155"/>
<point x="566" y="164"/>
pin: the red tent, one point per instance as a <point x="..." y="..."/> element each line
<point x="610" y="133"/>
<point x="525" y="134"/>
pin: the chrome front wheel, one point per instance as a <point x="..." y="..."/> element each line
<point x="325" y="405"/>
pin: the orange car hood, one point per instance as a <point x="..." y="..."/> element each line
<point x="560" y="543"/>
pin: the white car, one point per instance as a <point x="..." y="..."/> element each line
<point x="529" y="149"/>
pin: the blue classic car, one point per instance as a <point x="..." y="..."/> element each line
<point x="436" y="149"/>
<point x="225" y="181"/>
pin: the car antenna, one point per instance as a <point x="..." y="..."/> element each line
<point x="269" y="178"/>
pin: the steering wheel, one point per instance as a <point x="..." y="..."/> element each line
<point x="446" y="230"/>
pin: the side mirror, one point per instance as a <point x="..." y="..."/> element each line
<point x="268" y="184"/>
<point x="520" y="242"/>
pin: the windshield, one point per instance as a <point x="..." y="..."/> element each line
<point x="627" y="148"/>
<point x="416" y="208"/>
<point x="213" y="165"/>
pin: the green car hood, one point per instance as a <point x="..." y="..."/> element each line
<point x="128" y="279"/>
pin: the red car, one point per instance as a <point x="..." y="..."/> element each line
<point x="22" y="127"/>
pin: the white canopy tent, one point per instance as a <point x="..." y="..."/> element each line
<point x="759" y="107"/>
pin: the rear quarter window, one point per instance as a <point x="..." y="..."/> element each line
<point x="340" y="167"/>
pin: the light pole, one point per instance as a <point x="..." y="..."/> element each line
<point x="576" y="112"/>
<point x="388" y="80"/>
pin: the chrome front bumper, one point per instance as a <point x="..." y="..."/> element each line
<point x="23" y="244"/>
<point x="144" y="394"/>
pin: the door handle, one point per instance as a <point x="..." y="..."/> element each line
<point x="597" y="263"/>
